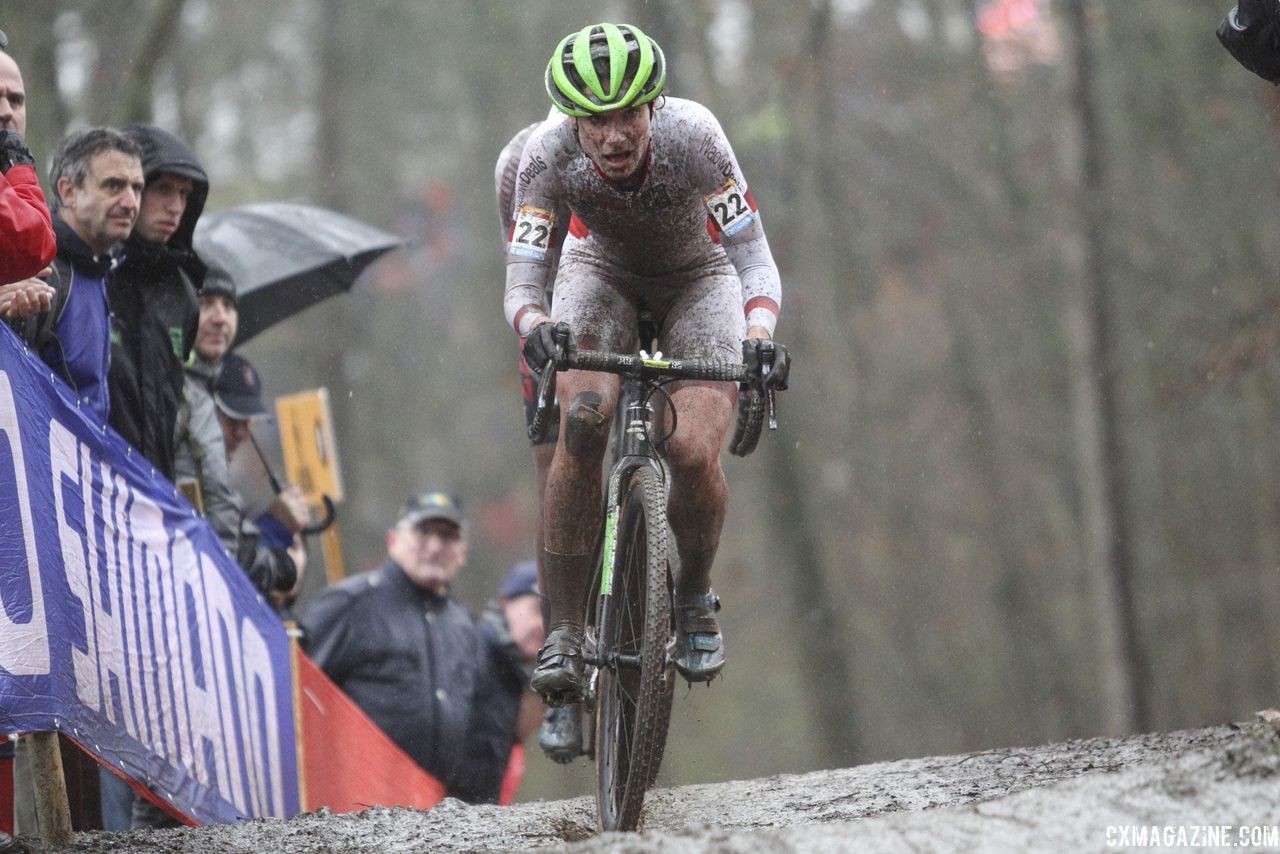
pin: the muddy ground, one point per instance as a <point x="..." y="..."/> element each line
<point x="1057" y="798"/>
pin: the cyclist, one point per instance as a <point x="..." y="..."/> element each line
<point x="560" y="735"/>
<point x="649" y="210"/>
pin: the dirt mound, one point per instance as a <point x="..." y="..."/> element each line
<point x="1070" y="795"/>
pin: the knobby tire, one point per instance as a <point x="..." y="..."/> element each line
<point x="634" y="703"/>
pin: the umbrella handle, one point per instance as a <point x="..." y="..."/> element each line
<point x="330" y="516"/>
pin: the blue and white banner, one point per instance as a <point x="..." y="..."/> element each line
<point x="124" y="623"/>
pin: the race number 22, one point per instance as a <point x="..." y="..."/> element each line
<point x="531" y="232"/>
<point x="729" y="208"/>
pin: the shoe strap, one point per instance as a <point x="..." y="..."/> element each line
<point x="561" y="644"/>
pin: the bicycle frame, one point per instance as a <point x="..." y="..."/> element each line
<point x="632" y="448"/>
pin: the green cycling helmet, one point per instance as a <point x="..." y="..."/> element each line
<point x="589" y="69"/>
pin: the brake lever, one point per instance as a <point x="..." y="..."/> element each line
<point x="771" y="395"/>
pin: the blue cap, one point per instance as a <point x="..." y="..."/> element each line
<point x="238" y="389"/>
<point x="521" y="580"/>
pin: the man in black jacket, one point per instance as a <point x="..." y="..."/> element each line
<point x="1251" y="32"/>
<point x="400" y="647"/>
<point x="153" y="297"/>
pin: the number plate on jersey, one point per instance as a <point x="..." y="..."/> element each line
<point x="729" y="208"/>
<point x="531" y="233"/>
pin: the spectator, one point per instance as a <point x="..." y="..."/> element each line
<point x="154" y="311"/>
<point x="506" y="711"/>
<point x="97" y="180"/>
<point x="26" y="231"/>
<point x="207" y="435"/>
<point x="153" y="324"/>
<point x="561" y="735"/>
<point x="400" y="647"/>
<point x="1251" y="32"/>
<point x="238" y="395"/>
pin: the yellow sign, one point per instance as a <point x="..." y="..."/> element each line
<point x="310" y="453"/>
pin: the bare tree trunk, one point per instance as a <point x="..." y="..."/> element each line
<point x="156" y="45"/>
<point x="332" y="187"/>
<point x="820" y="628"/>
<point x="1091" y="328"/>
<point x="1020" y="607"/>
<point x="34" y="45"/>
<point x="332" y="181"/>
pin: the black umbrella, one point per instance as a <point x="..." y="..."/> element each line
<point x="284" y="257"/>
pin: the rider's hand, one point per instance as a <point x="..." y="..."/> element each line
<point x="1252" y="12"/>
<point x="541" y="344"/>
<point x="759" y="353"/>
<point x="13" y="151"/>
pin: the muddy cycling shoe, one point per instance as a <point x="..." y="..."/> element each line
<point x="561" y="734"/>
<point x="699" y="652"/>
<point x="559" y="676"/>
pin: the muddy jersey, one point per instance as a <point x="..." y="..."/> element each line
<point x="692" y="209"/>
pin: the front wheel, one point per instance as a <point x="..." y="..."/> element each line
<point x="633" y="692"/>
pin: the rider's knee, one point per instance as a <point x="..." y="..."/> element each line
<point x="694" y="457"/>
<point x="586" y="429"/>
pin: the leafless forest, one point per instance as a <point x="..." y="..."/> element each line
<point x="1027" y="485"/>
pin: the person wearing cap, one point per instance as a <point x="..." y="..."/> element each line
<point x="507" y="711"/>
<point x="395" y="640"/>
<point x="212" y="422"/>
<point x="152" y="293"/>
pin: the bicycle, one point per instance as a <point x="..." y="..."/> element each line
<point x="629" y="625"/>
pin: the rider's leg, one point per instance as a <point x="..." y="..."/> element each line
<point x="560" y="733"/>
<point x="699" y="492"/>
<point x="572" y="507"/>
<point x="542" y="455"/>
<point x="696" y="512"/>
<point x="588" y="299"/>
<point x="704" y="319"/>
<point x="560" y="730"/>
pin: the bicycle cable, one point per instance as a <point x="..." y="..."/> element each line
<point x="671" y="406"/>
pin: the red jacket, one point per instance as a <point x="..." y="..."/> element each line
<point x="27" y="244"/>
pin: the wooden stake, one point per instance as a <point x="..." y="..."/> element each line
<point x="291" y="628"/>
<point x="52" y="810"/>
<point x="331" y="544"/>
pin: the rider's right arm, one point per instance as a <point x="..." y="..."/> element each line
<point x="539" y="224"/>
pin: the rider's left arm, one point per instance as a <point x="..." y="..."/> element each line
<point x="735" y="220"/>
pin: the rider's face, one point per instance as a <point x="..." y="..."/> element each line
<point x="617" y="141"/>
